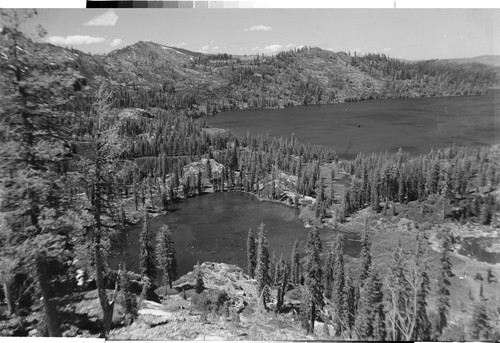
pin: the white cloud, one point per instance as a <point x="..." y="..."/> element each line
<point x="258" y="28"/>
<point x="215" y="48"/>
<point x="116" y="42"/>
<point x="75" y="40"/>
<point x="204" y="48"/>
<point x="181" y="44"/>
<point x="108" y="18"/>
<point x="211" y="42"/>
<point x="273" y="48"/>
<point x="255" y="48"/>
<point x="288" y="46"/>
<point x="387" y="50"/>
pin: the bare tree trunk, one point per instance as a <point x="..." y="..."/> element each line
<point x="313" y="316"/>
<point x="9" y="298"/>
<point x="52" y="320"/>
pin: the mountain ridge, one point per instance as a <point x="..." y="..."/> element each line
<point x="150" y="74"/>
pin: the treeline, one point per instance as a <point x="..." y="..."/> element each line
<point x="150" y="75"/>
<point x="429" y="78"/>
<point x="464" y="176"/>
<point x="381" y="303"/>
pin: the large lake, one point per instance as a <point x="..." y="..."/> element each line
<point x="214" y="227"/>
<point x="416" y="125"/>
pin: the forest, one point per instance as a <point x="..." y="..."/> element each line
<point x="84" y="155"/>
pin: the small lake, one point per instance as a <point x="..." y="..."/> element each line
<point x="480" y="248"/>
<point x="214" y="227"/>
<point x="416" y="125"/>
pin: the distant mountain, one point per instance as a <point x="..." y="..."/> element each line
<point x="491" y="60"/>
<point x="149" y="74"/>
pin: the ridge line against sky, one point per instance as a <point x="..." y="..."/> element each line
<point x="408" y="34"/>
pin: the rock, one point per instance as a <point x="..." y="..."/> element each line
<point x="184" y="286"/>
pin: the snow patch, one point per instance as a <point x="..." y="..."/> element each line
<point x="168" y="48"/>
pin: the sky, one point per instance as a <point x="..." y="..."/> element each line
<point x="412" y="34"/>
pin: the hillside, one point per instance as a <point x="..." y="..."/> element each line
<point x="153" y="75"/>
<point x="491" y="60"/>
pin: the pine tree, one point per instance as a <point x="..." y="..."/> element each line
<point x="128" y="299"/>
<point x="36" y="127"/>
<point x="480" y="323"/>
<point x="365" y="255"/>
<point x="251" y="254"/>
<point x="339" y="296"/>
<point x="103" y="182"/>
<point x="377" y="297"/>
<point x="443" y="293"/>
<point x="262" y="266"/>
<point x="295" y="264"/>
<point x="199" y="286"/>
<point x="314" y="273"/>
<point x="165" y="252"/>
<point x="446" y="249"/>
<point x="329" y="269"/>
<point x="350" y="303"/>
<point x="423" y="325"/>
<point x="363" y="323"/>
<point x="147" y="254"/>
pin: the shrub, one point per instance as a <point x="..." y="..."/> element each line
<point x="211" y="301"/>
<point x="478" y="276"/>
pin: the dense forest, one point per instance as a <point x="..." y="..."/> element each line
<point x="88" y="149"/>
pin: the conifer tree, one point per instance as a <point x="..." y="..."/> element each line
<point x="251" y="254"/>
<point x="423" y="325"/>
<point x="443" y="284"/>
<point x="36" y="128"/>
<point x="365" y="255"/>
<point x="128" y="299"/>
<point x="165" y="252"/>
<point x="339" y="294"/>
<point x="480" y="323"/>
<point x="147" y="254"/>
<point x="329" y="269"/>
<point x="199" y="286"/>
<point x="295" y="264"/>
<point x="363" y="323"/>
<point x="376" y="294"/>
<point x="350" y="313"/>
<point x="262" y="266"/>
<point x="314" y="273"/>
<point x="103" y="178"/>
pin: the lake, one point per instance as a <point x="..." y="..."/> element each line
<point x="214" y="227"/>
<point x="480" y="248"/>
<point x="416" y="125"/>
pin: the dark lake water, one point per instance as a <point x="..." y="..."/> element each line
<point x="476" y="247"/>
<point x="214" y="227"/>
<point x="416" y="125"/>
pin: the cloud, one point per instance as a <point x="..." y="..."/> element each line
<point x="75" y="40"/>
<point x="273" y="48"/>
<point x="387" y="50"/>
<point x="204" y="48"/>
<point x="108" y="18"/>
<point x="258" y="28"/>
<point x="116" y="42"/>
<point x="181" y="44"/>
<point x="215" y="48"/>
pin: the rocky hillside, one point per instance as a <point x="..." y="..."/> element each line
<point x="148" y="74"/>
<point x="237" y="317"/>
